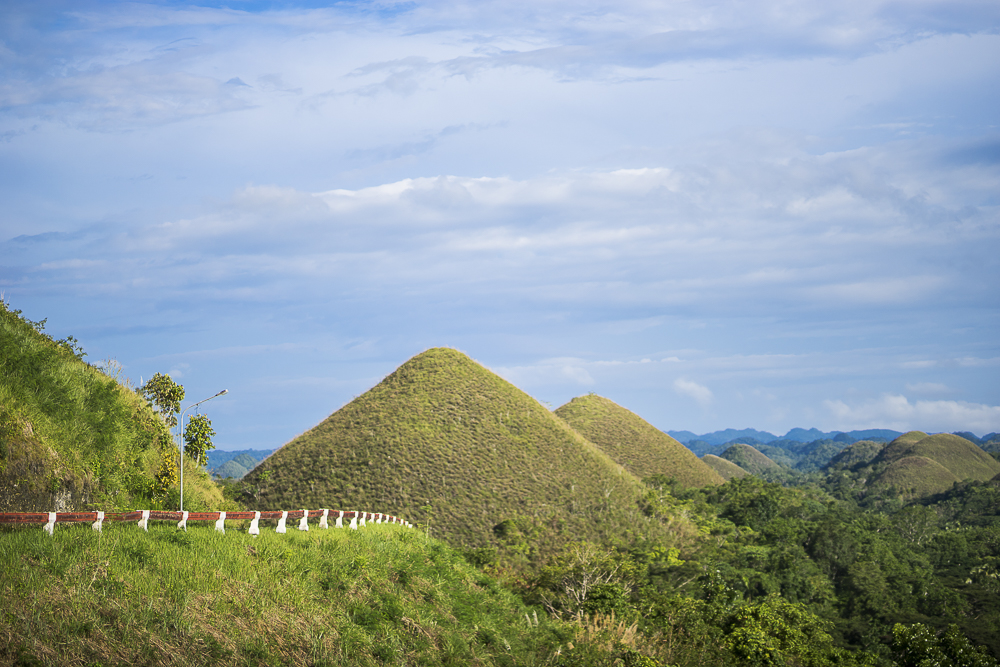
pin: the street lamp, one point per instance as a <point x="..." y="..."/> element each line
<point x="224" y="391"/>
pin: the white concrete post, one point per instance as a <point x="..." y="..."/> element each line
<point x="220" y="524"/>
<point x="51" y="525"/>
<point x="304" y="521"/>
<point x="255" y="524"/>
<point x="340" y="519"/>
<point x="183" y="523"/>
<point x="144" y="521"/>
<point x="354" y="521"/>
<point x="364" y="517"/>
<point x="322" y="520"/>
<point x="281" y="523"/>
<point x="100" y="521"/>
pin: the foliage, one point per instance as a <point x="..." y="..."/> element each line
<point x="918" y="646"/>
<point x="198" y="438"/>
<point x="165" y="396"/>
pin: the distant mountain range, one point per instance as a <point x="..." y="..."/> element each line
<point x="797" y="434"/>
<point x="235" y="464"/>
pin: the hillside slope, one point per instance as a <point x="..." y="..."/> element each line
<point x="636" y="444"/>
<point x="450" y="444"/>
<point x="751" y="460"/>
<point x="72" y="436"/>
<point x="384" y="595"/>
<point x="725" y="469"/>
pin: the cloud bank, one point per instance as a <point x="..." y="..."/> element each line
<point x="782" y="214"/>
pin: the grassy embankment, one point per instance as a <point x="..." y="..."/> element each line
<point x="381" y="595"/>
<point x="72" y="436"/>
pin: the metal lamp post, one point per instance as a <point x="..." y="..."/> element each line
<point x="224" y="391"/>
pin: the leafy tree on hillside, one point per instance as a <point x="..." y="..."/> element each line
<point x="165" y="396"/>
<point x="198" y="438"/>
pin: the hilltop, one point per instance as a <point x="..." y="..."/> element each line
<point x="922" y="464"/>
<point x="462" y="450"/>
<point x="643" y="449"/>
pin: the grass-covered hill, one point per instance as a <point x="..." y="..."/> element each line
<point x="923" y="464"/>
<point x="725" y="469"/>
<point x="915" y="476"/>
<point x="450" y="444"/>
<point x="854" y="456"/>
<point x="70" y="434"/>
<point x="751" y="460"/>
<point x="636" y="444"/>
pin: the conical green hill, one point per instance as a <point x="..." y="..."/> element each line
<point x="915" y="476"/>
<point x="726" y="469"/>
<point x="750" y="459"/>
<point x="636" y="444"/>
<point x="959" y="456"/>
<point x="855" y="455"/>
<point x="910" y="437"/>
<point x="446" y="442"/>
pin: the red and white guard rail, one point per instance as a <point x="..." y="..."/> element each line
<point x="353" y="518"/>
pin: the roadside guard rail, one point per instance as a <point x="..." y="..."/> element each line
<point x="353" y="518"/>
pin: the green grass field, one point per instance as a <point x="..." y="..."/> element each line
<point x="383" y="595"/>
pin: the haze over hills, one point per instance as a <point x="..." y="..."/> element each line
<point x="457" y="447"/>
<point x="634" y="443"/>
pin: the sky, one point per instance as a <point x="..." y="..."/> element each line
<point x="718" y="214"/>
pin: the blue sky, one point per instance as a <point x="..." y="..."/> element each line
<point x="717" y="214"/>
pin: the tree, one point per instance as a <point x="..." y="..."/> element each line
<point x="165" y="396"/>
<point x="918" y="646"/>
<point x="198" y="437"/>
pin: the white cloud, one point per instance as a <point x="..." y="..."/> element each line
<point x="928" y="388"/>
<point x="701" y="394"/>
<point x="897" y="412"/>
<point x="548" y="371"/>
